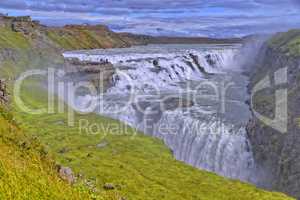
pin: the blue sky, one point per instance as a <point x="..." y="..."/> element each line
<point x="214" y="18"/>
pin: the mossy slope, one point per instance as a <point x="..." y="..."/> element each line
<point x="287" y="42"/>
<point x="26" y="171"/>
<point x="85" y="37"/>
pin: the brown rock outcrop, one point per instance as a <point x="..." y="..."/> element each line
<point x="4" y="96"/>
<point x="66" y="174"/>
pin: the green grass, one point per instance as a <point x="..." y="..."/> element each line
<point x="13" y="40"/>
<point x="140" y="167"/>
<point x="76" y="38"/>
<point x="26" y="171"/>
<point x="287" y="42"/>
<point x="294" y="46"/>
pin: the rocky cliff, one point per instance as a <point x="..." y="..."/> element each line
<point x="136" y="39"/>
<point x="100" y="74"/>
<point x="73" y="37"/>
<point x="69" y="37"/>
<point x="277" y="152"/>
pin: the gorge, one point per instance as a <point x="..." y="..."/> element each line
<point x="193" y="98"/>
<point x="190" y="96"/>
<point x="233" y="143"/>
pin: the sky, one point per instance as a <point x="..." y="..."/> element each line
<point x="212" y="18"/>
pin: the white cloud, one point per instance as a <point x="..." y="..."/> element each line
<point x="179" y="17"/>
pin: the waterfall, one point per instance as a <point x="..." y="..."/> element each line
<point x="155" y="76"/>
<point x="146" y="71"/>
<point x="212" y="145"/>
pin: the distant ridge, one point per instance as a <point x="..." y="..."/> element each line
<point x="136" y="39"/>
<point x="74" y="37"/>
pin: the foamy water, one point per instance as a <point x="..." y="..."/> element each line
<point x="208" y="134"/>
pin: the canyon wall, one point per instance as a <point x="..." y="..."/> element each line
<point x="276" y="152"/>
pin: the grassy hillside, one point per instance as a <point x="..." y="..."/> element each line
<point x="138" y="167"/>
<point x="26" y="171"/>
<point x="288" y="42"/>
<point x="70" y="37"/>
<point x="85" y="37"/>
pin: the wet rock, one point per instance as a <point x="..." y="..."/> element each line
<point x="155" y="63"/>
<point x="190" y="64"/>
<point x="196" y="62"/>
<point x="174" y="103"/>
<point x="155" y="70"/>
<point x="128" y="87"/>
<point x="210" y="60"/>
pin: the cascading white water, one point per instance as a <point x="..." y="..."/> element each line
<point x="156" y="75"/>
<point x="156" y="67"/>
<point x="211" y="145"/>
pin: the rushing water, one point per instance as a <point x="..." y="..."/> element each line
<point x="191" y="96"/>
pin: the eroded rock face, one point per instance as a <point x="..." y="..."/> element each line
<point x="25" y="25"/>
<point x="99" y="73"/>
<point x="6" y="21"/>
<point x="277" y="154"/>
